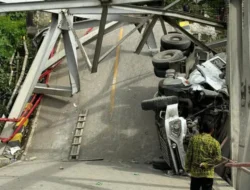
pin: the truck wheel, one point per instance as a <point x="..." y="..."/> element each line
<point x="175" y="41"/>
<point x="161" y="73"/>
<point x="163" y="59"/>
<point x="162" y="49"/>
<point x="185" y="52"/>
<point x="158" y="103"/>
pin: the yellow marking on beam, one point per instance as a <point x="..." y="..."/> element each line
<point x="112" y="96"/>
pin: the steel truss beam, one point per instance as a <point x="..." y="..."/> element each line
<point x="60" y="4"/>
<point x="114" y="10"/>
<point x="72" y="62"/>
<point x="41" y="88"/>
<point x="100" y="39"/>
<point x="146" y="34"/>
<point x="92" y="36"/>
<point x="120" y="18"/>
<point x="163" y="26"/>
<point x="173" y="14"/>
<point x="33" y="74"/>
<point x="83" y="51"/>
<point x="122" y="40"/>
<point x="171" y="5"/>
<point x="85" y="24"/>
<point x="98" y="10"/>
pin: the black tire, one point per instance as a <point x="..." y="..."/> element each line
<point x="161" y="73"/>
<point x="162" y="49"/>
<point x="187" y="52"/>
<point x="163" y="59"/>
<point x="175" y="41"/>
<point x="159" y="102"/>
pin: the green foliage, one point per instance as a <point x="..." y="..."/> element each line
<point x="17" y="16"/>
<point x="211" y="7"/>
<point x="11" y="32"/>
<point x="5" y="89"/>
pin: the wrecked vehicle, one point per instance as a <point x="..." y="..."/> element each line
<point x="181" y="103"/>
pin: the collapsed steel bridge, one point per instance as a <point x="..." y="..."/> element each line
<point x="112" y="14"/>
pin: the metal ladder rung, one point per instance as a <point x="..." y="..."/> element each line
<point x="78" y="132"/>
<point x="80" y="126"/>
<point x="83" y="115"/>
<point x="77" y="139"/>
<point x="75" y="151"/>
<point x="82" y="119"/>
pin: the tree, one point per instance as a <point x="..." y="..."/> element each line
<point x="12" y="29"/>
<point x="11" y="32"/>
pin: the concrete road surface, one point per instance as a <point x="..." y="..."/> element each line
<point x="46" y="175"/>
<point x="116" y="128"/>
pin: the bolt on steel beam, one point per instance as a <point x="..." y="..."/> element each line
<point x="100" y="39"/>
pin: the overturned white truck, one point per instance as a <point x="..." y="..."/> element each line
<point x="182" y="103"/>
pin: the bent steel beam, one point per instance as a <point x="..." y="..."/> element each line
<point x="173" y="14"/>
<point x="33" y="74"/>
<point x="41" y="88"/>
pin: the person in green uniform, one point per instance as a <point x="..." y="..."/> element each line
<point x="203" y="154"/>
